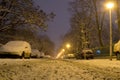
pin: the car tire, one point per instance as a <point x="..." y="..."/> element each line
<point x="92" y="57"/>
<point x="87" y="58"/>
<point x="23" y="55"/>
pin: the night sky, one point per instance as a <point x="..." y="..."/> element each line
<point x="61" y="24"/>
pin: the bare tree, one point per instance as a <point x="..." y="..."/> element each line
<point x="92" y="15"/>
<point x="99" y="18"/>
<point x="21" y="13"/>
<point x="15" y="13"/>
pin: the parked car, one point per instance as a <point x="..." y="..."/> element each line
<point x="37" y="54"/>
<point x="116" y="49"/>
<point x="1" y="44"/>
<point x="87" y="54"/>
<point x="47" y="56"/>
<point x="15" y="49"/>
<point x="69" y="56"/>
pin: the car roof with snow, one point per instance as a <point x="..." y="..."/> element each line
<point x="16" y="43"/>
<point x="15" y="46"/>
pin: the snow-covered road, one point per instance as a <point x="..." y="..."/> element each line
<point x="50" y="69"/>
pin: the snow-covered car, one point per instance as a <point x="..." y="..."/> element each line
<point x="116" y="49"/>
<point x="70" y="56"/>
<point x="87" y="53"/>
<point x="37" y="54"/>
<point x="47" y="56"/>
<point x="16" y="48"/>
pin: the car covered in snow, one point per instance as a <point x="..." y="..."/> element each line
<point x="87" y="54"/>
<point x="16" y="49"/>
<point x="116" y="49"/>
<point x="69" y="56"/>
<point x="37" y="54"/>
<point x="47" y="56"/>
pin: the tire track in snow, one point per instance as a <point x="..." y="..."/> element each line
<point x="97" y="71"/>
<point x="47" y="69"/>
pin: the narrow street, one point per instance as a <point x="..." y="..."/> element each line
<point x="49" y="69"/>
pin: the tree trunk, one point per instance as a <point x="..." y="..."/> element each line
<point x="98" y="24"/>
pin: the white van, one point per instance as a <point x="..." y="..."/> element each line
<point x="18" y="48"/>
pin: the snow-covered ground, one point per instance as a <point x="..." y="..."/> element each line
<point x="50" y="69"/>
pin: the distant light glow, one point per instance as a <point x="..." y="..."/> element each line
<point x="63" y="50"/>
<point x="68" y="45"/>
<point x="110" y="5"/>
<point x="60" y="53"/>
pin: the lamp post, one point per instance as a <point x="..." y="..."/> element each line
<point x="110" y="5"/>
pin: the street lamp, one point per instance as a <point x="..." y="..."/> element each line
<point x="67" y="46"/>
<point x="110" y="5"/>
<point x="67" y="49"/>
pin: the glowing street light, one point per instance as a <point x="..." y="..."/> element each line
<point x="110" y="6"/>
<point x="68" y="46"/>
